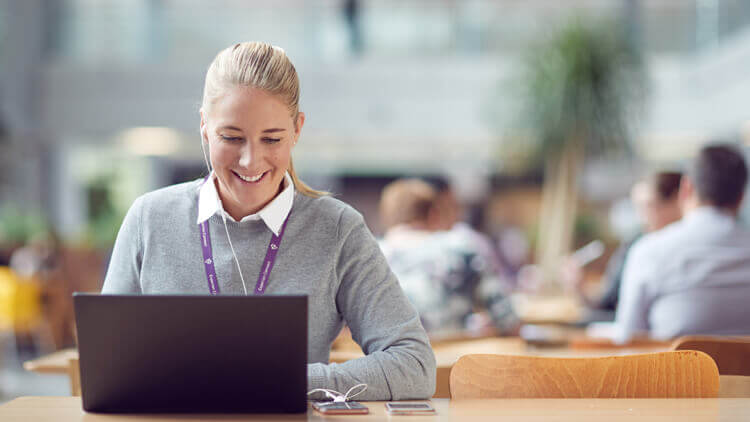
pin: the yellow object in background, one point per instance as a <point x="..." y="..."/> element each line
<point x="20" y="302"/>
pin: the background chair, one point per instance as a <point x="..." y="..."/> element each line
<point x="678" y="374"/>
<point x="21" y="311"/>
<point x="732" y="357"/>
<point x="731" y="354"/>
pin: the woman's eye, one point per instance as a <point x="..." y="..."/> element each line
<point x="271" y="140"/>
<point x="231" y="138"/>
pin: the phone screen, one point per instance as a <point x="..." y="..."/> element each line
<point x="340" y="408"/>
<point x="396" y="407"/>
<point x="409" y="406"/>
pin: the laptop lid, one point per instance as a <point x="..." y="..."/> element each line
<point x="219" y="354"/>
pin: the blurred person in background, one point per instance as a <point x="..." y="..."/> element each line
<point x="446" y="216"/>
<point x="692" y="276"/>
<point x="250" y="122"/>
<point x="656" y="202"/>
<point x="450" y="284"/>
<point x="37" y="258"/>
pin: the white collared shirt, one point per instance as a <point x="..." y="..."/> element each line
<point x="692" y="277"/>
<point x="273" y="214"/>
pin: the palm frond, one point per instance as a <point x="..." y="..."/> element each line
<point x="586" y="84"/>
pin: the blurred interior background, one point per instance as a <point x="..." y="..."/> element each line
<point x="99" y="104"/>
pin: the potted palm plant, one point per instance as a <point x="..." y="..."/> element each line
<point x="580" y="93"/>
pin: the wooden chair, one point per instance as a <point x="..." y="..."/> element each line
<point x="732" y="357"/>
<point x="653" y="375"/>
<point x="731" y="354"/>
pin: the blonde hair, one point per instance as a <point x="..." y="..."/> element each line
<point x="406" y="201"/>
<point x="263" y="66"/>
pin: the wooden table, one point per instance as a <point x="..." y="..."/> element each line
<point x="61" y="362"/>
<point x="446" y="355"/>
<point x="68" y="409"/>
<point x="538" y="309"/>
<point x="54" y="363"/>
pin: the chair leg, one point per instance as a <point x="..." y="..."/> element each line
<point x="74" y="372"/>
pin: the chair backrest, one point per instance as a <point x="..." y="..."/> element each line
<point x="731" y="354"/>
<point x="653" y="375"/>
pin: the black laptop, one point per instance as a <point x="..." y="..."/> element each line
<point x="185" y="354"/>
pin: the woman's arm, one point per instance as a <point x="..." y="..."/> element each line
<point x="400" y="363"/>
<point x="123" y="273"/>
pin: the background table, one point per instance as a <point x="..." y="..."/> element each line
<point x="54" y="363"/>
<point x="68" y="409"/>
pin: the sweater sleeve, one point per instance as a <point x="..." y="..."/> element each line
<point x="123" y="273"/>
<point x="399" y="362"/>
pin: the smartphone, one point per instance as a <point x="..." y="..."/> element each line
<point x="409" y="408"/>
<point x="340" y="408"/>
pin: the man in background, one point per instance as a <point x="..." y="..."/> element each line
<point x="693" y="277"/>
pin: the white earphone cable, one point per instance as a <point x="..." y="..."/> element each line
<point x="224" y="219"/>
<point x="338" y="397"/>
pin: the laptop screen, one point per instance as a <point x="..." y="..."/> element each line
<point x="192" y="353"/>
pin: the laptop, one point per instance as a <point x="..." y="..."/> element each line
<point x="192" y="354"/>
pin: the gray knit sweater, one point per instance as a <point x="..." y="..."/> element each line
<point x="327" y="253"/>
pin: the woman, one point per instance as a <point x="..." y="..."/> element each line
<point x="453" y="287"/>
<point x="250" y="123"/>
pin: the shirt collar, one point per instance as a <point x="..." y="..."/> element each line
<point x="708" y="213"/>
<point x="272" y="214"/>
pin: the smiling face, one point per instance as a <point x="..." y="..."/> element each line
<point x="250" y="134"/>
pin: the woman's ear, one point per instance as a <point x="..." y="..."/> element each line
<point x="298" y="126"/>
<point x="203" y="130"/>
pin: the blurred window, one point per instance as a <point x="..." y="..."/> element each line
<point x="155" y="31"/>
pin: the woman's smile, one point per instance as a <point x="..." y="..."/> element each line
<point x="251" y="179"/>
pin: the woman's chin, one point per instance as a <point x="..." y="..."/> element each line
<point x="251" y="204"/>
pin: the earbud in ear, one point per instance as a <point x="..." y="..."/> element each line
<point x="204" y="141"/>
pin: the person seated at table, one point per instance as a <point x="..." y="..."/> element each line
<point x="446" y="216"/>
<point x="657" y="204"/>
<point x="249" y="123"/>
<point x="692" y="276"/>
<point x="445" y="279"/>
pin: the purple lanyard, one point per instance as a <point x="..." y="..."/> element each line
<point x="265" y="270"/>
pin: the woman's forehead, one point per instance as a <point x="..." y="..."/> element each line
<point x="247" y="104"/>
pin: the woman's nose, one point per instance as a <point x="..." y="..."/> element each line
<point x="246" y="156"/>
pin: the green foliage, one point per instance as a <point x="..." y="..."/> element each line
<point x="103" y="218"/>
<point x="17" y="226"/>
<point x="587" y="227"/>
<point x="102" y="231"/>
<point x="583" y="85"/>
